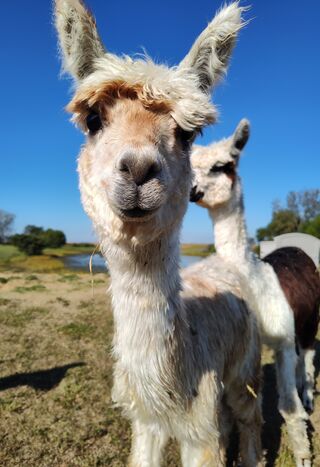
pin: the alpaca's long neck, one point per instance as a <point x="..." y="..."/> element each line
<point x="145" y="285"/>
<point x="230" y="231"/>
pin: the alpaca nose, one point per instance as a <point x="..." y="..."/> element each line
<point x="141" y="168"/>
<point x="196" y="195"/>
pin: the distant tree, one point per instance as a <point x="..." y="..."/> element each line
<point x="282" y="222"/>
<point x="300" y="214"/>
<point x="263" y="234"/>
<point x="6" y="224"/>
<point x="312" y="227"/>
<point x="293" y="203"/>
<point x="310" y="202"/>
<point x="34" y="239"/>
<point x="33" y="230"/>
<point x="53" y="238"/>
<point x="276" y="205"/>
<point x="28" y="244"/>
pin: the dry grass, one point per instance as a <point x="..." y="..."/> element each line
<point x="56" y="376"/>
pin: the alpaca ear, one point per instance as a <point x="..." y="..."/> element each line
<point x="78" y="36"/>
<point x="210" y="54"/>
<point x="241" y="135"/>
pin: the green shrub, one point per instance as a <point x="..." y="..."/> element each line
<point x="28" y="244"/>
<point x="53" y="238"/>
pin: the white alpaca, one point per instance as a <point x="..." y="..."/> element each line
<point x="184" y="360"/>
<point x="217" y="187"/>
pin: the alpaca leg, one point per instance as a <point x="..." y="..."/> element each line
<point x="307" y="378"/>
<point x="300" y="372"/>
<point x="247" y="412"/>
<point x="198" y="456"/>
<point x="305" y="370"/>
<point x="147" y="447"/>
<point x="290" y="405"/>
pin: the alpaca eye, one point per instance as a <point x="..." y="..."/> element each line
<point x="227" y="168"/>
<point x="94" y="123"/>
<point x="186" y="137"/>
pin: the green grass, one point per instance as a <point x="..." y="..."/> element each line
<point x="32" y="288"/>
<point x="68" y="278"/>
<point x="70" y="250"/>
<point x="9" y="251"/>
<point x="16" y="317"/>
<point x="31" y="277"/>
<point x="197" y="249"/>
<point x="78" y="330"/>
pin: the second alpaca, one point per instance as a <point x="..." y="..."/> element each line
<point x="217" y="187"/>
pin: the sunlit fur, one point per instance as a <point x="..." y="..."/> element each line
<point x="187" y="354"/>
<point x="222" y="196"/>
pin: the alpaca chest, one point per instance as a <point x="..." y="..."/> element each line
<point x="145" y="389"/>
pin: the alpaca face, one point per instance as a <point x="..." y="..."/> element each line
<point x="140" y="120"/>
<point x="136" y="161"/>
<point x="215" y="168"/>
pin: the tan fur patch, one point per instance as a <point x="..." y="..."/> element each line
<point x="107" y="93"/>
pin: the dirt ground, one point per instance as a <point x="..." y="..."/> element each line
<point x="56" y="376"/>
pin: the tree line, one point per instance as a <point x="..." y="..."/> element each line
<point x="33" y="240"/>
<point x="300" y="214"/>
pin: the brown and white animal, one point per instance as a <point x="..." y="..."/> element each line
<point x="217" y="187"/>
<point x="300" y="282"/>
<point x="186" y="353"/>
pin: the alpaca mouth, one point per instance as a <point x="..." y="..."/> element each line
<point x="195" y="195"/>
<point x="137" y="213"/>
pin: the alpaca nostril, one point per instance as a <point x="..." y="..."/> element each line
<point x="124" y="167"/>
<point x="150" y="173"/>
<point x="196" y="195"/>
<point x="140" y="169"/>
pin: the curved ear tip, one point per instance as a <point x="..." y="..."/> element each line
<point x="244" y="124"/>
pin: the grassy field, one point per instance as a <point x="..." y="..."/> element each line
<point x="51" y="259"/>
<point x="56" y="376"/>
<point x="196" y="249"/>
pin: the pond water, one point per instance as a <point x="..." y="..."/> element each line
<point x="81" y="262"/>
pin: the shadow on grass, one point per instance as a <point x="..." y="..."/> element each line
<point x="43" y="380"/>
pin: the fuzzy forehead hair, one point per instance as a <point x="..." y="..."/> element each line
<point x="183" y="89"/>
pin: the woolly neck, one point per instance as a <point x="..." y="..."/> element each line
<point x="145" y="285"/>
<point x="230" y="230"/>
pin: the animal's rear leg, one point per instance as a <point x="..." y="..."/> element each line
<point x="305" y="377"/>
<point x="305" y="368"/>
<point x="246" y="407"/>
<point x="290" y="405"/>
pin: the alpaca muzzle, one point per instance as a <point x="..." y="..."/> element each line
<point x="196" y="195"/>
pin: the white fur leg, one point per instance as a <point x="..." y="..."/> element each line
<point x="306" y="377"/>
<point x="290" y="405"/>
<point x="147" y="447"/>
<point x="199" y="456"/>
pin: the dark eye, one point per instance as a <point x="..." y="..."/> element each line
<point x="185" y="137"/>
<point x="94" y="123"/>
<point x="227" y="168"/>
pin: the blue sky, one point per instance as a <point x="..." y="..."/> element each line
<point x="273" y="80"/>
